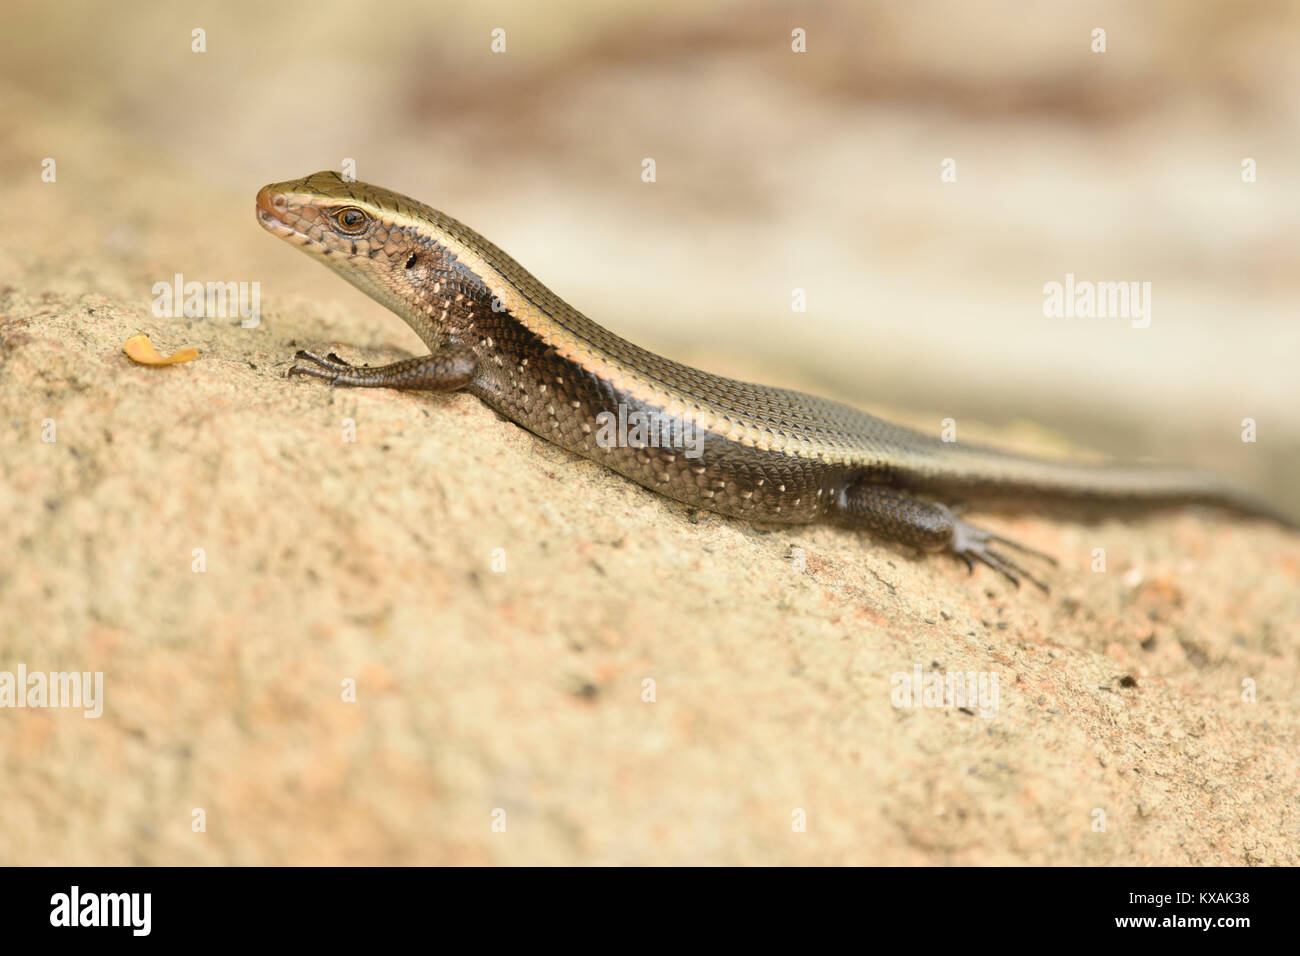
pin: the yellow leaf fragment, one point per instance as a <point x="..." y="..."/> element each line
<point x="139" y="349"/>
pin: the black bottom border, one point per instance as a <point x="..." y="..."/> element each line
<point x="335" y="905"/>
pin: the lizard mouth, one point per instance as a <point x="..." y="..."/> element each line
<point x="281" y="212"/>
<point x="272" y="207"/>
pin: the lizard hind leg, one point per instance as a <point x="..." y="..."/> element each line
<point x="900" y="516"/>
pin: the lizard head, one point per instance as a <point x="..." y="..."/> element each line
<point x="415" y="260"/>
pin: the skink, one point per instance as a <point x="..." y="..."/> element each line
<point x="742" y="450"/>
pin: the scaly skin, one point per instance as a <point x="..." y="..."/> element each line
<point x="766" y="454"/>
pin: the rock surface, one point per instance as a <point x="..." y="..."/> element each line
<point x="501" y="606"/>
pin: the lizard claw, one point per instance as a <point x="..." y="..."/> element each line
<point x="327" y="368"/>
<point x="973" y="544"/>
<point x="331" y="361"/>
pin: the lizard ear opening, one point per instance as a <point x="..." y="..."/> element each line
<point x="410" y="262"/>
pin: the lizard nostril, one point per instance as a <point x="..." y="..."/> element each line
<point x="269" y="203"/>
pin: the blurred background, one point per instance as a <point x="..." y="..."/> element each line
<point x="819" y="171"/>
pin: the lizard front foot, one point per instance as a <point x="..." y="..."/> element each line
<point x="444" y="372"/>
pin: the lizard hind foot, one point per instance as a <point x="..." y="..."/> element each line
<point x="900" y="515"/>
<point x="973" y="544"/>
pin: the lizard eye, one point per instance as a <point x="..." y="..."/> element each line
<point x="350" y="219"/>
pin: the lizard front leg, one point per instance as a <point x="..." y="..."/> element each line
<point x="446" y="371"/>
